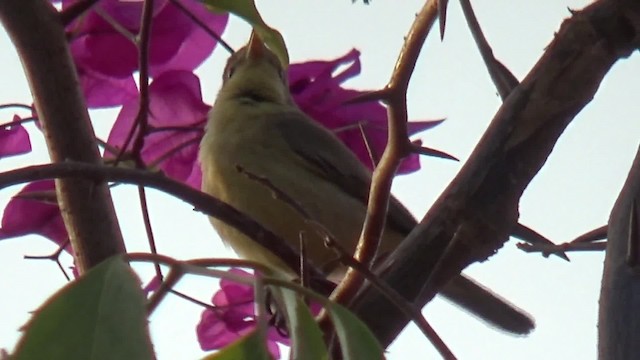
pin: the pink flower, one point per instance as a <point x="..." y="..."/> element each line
<point x="106" y="59"/>
<point x="232" y="317"/>
<point x="34" y="211"/>
<point x="177" y="117"/>
<point x="318" y="91"/>
<point x="14" y="139"/>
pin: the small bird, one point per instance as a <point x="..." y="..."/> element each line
<point x="255" y="126"/>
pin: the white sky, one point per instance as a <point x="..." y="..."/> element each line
<point x="572" y="194"/>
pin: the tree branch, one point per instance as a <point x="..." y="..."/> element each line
<point x="618" y="318"/>
<point x="201" y="201"/>
<point x="398" y="147"/>
<point x="475" y="214"/>
<point x="38" y="34"/>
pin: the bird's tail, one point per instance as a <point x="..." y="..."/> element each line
<point x="488" y="306"/>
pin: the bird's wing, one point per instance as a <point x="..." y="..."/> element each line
<point x="330" y="159"/>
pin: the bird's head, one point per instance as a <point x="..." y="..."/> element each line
<point x="256" y="74"/>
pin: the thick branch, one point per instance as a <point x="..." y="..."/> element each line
<point x="619" y="319"/>
<point x="473" y="217"/>
<point x="87" y="209"/>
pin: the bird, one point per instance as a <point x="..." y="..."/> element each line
<point x="255" y="128"/>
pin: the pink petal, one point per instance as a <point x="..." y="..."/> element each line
<point x="176" y="117"/>
<point x="107" y="59"/>
<point x="316" y="88"/>
<point x="177" y="43"/>
<point x="26" y="216"/>
<point x="214" y="334"/>
<point x="102" y="91"/>
<point x="14" y="139"/>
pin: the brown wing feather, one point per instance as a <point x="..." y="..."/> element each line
<point x="324" y="154"/>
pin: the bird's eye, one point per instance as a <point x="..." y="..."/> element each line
<point x="230" y="69"/>
<point x="229" y="73"/>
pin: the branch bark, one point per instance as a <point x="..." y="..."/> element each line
<point x="38" y="34"/>
<point x="475" y="214"/>
<point x="618" y="318"/>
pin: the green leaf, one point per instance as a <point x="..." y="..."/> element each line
<point x="356" y="340"/>
<point x="252" y="346"/>
<point x="99" y="316"/>
<point x="246" y="9"/>
<point x="306" y="336"/>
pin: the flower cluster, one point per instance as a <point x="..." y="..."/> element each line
<point x="233" y="316"/>
<point x="104" y="48"/>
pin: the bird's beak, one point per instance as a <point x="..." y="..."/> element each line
<point x="256" y="48"/>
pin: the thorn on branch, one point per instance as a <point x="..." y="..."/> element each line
<point x="534" y="238"/>
<point x="547" y="249"/>
<point x="442" y="16"/>
<point x="423" y="150"/>
<point x="376" y="95"/>
<point x="593" y="235"/>
<point x="501" y="76"/>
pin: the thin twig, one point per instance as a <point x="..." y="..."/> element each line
<point x="277" y="193"/>
<point x="183" y="128"/>
<point x="154" y="163"/>
<point x="18" y="122"/>
<point x="260" y="300"/>
<point x="202" y="263"/>
<point x="177" y="269"/>
<point x="142" y="118"/>
<point x="55" y="256"/>
<point x="398" y="146"/>
<point x="75" y="10"/>
<point x="115" y="24"/>
<point x="204" y="26"/>
<point x="141" y="121"/>
<point x="548" y="249"/>
<point x="16" y="105"/>
<point x="196" y="301"/>
<point x="172" y="278"/>
<point x="107" y="147"/>
<point x="146" y="219"/>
